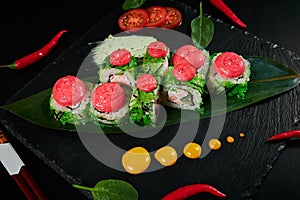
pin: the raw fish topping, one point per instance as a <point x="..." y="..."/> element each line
<point x="68" y="90"/>
<point x="108" y="97"/>
<point x="229" y="65"/>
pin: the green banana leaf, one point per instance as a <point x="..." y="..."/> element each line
<point x="268" y="78"/>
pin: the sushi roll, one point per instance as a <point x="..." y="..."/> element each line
<point x="143" y="104"/>
<point x="184" y="82"/>
<point x="229" y="74"/>
<point x="111" y="56"/>
<point x="118" y="67"/>
<point x="109" y="104"/>
<point x="183" y="88"/>
<point x="136" y="44"/>
<point x="69" y="100"/>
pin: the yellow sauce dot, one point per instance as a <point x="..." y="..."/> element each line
<point x="136" y="160"/>
<point x="214" y="144"/>
<point x="230" y="139"/>
<point x="166" y="155"/>
<point x="192" y="150"/>
<point x="242" y="135"/>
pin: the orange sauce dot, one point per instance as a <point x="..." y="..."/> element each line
<point x="166" y="156"/>
<point x="214" y="144"/>
<point x="230" y="139"/>
<point x="242" y="135"/>
<point x="192" y="150"/>
<point x="136" y="160"/>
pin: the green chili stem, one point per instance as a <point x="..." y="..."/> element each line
<point x="4" y="66"/>
<point x="84" y="187"/>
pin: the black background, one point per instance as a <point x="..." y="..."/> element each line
<point x="25" y="29"/>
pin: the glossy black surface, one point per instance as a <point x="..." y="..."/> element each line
<point x="276" y="23"/>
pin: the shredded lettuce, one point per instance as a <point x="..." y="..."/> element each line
<point x="141" y="107"/>
<point x="67" y="117"/>
<point x="197" y="82"/>
<point x="149" y="59"/>
<point x="132" y="63"/>
<point x="238" y="90"/>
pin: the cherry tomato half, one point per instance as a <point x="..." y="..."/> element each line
<point x="157" y="15"/>
<point x="173" y="18"/>
<point x="120" y="57"/>
<point x="146" y="83"/>
<point x="157" y="49"/>
<point x="133" y="19"/>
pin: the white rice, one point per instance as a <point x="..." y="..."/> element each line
<point x="203" y="71"/>
<point x="109" y="117"/>
<point x="115" y="75"/>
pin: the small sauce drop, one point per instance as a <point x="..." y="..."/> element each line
<point x="192" y="150"/>
<point x="166" y="156"/>
<point x="214" y="144"/>
<point x="242" y="135"/>
<point x="136" y="160"/>
<point x="230" y="139"/>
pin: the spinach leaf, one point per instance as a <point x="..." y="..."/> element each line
<point x="129" y="4"/>
<point x="112" y="189"/>
<point x="202" y="30"/>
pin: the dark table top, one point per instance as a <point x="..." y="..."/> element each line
<point x="25" y="30"/>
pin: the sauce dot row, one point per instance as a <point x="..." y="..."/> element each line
<point x="137" y="159"/>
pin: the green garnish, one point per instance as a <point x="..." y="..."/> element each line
<point x="140" y="107"/>
<point x="112" y="189"/>
<point x="129" y="4"/>
<point x="202" y="30"/>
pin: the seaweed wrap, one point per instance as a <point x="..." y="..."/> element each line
<point x="229" y="74"/>
<point x="143" y="104"/>
<point x="184" y="82"/>
<point x="109" y="104"/>
<point x="69" y="100"/>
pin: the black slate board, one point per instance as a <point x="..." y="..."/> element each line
<point x="236" y="169"/>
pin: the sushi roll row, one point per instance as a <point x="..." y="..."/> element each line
<point x="77" y="102"/>
<point x="142" y="75"/>
<point x="134" y="81"/>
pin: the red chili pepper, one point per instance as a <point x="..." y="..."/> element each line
<point x="37" y="55"/>
<point x="228" y="12"/>
<point x="190" y="190"/>
<point x="286" y="135"/>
